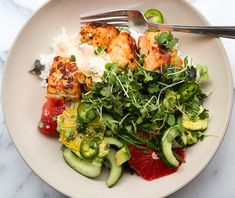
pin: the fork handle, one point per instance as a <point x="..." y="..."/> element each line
<point x="218" y="31"/>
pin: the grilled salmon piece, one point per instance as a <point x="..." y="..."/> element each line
<point x="65" y="80"/>
<point x="122" y="50"/>
<point x="97" y="34"/>
<point x="155" y="58"/>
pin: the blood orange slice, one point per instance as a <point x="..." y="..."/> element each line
<point x="47" y="125"/>
<point x="50" y="110"/>
<point x="53" y="107"/>
<point x="148" y="165"/>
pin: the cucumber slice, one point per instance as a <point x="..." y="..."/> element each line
<point x="89" y="169"/>
<point x="115" y="171"/>
<point x="77" y="153"/>
<point x="114" y="141"/>
<point x="167" y="140"/>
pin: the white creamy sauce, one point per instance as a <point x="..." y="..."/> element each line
<point x="135" y="34"/>
<point x="66" y="45"/>
<point x="90" y="63"/>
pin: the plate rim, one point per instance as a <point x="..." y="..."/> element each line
<point x="190" y="179"/>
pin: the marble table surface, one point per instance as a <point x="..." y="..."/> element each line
<point x="18" y="180"/>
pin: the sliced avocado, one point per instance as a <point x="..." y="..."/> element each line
<point x="87" y="168"/>
<point x="115" y="171"/>
<point x="167" y="141"/>
<point x="170" y="94"/>
<point x="122" y="155"/>
<point x="114" y="141"/>
<point x="198" y="125"/>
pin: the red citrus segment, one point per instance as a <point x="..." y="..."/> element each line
<point x="53" y="107"/>
<point x="47" y="125"/>
<point x="148" y="165"/>
<point x="50" y="110"/>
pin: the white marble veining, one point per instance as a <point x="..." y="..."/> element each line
<point x="17" y="180"/>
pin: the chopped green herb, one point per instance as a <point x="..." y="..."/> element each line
<point x="73" y="58"/>
<point x="98" y="50"/>
<point x="171" y="119"/>
<point x="204" y="114"/>
<point x="68" y="132"/>
<point x="166" y="41"/>
<point x="38" y="68"/>
<point x="40" y="125"/>
<point x="203" y="73"/>
<point x="123" y="29"/>
<point x="141" y="59"/>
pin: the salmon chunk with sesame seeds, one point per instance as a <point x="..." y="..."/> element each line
<point x="97" y="34"/>
<point x="122" y="50"/>
<point x="155" y="58"/>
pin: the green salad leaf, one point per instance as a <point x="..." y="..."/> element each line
<point x="203" y="73"/>
<point x="166" y="41"/>
<point x="38" y="68"/>
<point x="135" y="100"/>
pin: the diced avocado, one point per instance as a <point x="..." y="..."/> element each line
<point x="198" y="125"/>
<point x="114" y="141"/>
<point x="87" y="168"/>
<point x="194" y="136"/>
<point x="167" y="141"/>
<point x="103" y="149"/>
<point x="59" y="128"/>
<point x="67" y="120"/>
<point x="115" y="171"/>
<point x="191" y="139"/>
<point x="170" y="94"/>
<point x="122" y="155"/>
<point x="170" y="99"/>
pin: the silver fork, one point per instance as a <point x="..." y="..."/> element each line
<point x="135" y="20"/>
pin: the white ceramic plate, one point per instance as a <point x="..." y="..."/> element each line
<point x="23" y="98"/>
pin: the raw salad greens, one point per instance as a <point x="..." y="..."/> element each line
<point x="149" y="101"/>
<point x="157" y="112"/>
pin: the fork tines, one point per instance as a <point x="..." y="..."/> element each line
<point x="117" y="18"/>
